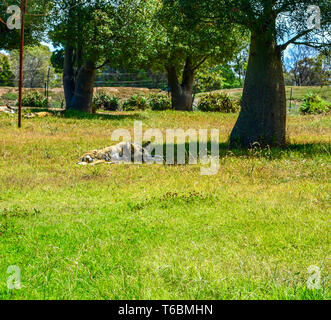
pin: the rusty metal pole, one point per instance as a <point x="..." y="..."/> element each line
<point x="20" y="89"/>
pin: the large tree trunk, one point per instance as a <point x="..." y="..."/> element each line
<point x="263" y="115"/>
<point x="83" y="94"/>
<point x="181" y="94"/>
<point x="68" y="74"/>
<point x="78" y="87"/>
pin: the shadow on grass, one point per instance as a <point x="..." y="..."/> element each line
<point x="72" y="114"/>
<point x="305" y="150"/>
<point x="310" y="150"/>
<point x="297" y="150"/>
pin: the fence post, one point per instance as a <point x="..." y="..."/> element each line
<point x="291" y="99"/>
<point x="47" y="87"/>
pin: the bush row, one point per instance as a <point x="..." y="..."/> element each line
<point x="212" y="102"/>
<point x="157" y="102"/>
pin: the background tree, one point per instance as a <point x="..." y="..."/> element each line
<point x="6" y="75"/>
<point x="182" y="44"/>
<point x="209" y="79"/>
<point x="217" y="77"/>
<point x="240" y="64"/>
<point x="324" y="59"/>
<point x="299" y="65"/>
<point x="308" y="72"/>
<point x="308" y="67"/>
<point x="36" y="66"/>
<point x="274" y="25"/>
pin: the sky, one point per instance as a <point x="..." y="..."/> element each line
<point x="49" y="45"/>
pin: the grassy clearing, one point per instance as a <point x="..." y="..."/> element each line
<point x="162" y="232"/>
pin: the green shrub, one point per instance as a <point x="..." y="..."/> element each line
<point x="97" y="101"/>
<point x="218" y="102"/>
<point x="34" y="99"/>
<point x="10" y="96"/>
<point x="135" y="102"/>
<point x="159" y="102"/>
<point x="113" y="104"/>
<point x="103" y="100"/>
<point x="314" y="104"/>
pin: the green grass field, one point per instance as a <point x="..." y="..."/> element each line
<point x="162" y="232"/>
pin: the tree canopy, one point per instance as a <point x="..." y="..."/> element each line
<point x="36" y="65"/>
<point x="286" y="19"/>
<point x="34" y="25"/>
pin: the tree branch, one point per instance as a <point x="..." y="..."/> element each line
<point x="298" y="36"/>
<point x="200" y="63"/>
<point x="312" y="45"/>
<point x="101" y="66"/>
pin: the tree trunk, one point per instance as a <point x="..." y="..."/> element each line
<point x="68" y="74"/>
<point x="181" y="94"/>
<point x="78" y="87"/>
<point x="263" y="115"/>
<point x="83" y="94"/>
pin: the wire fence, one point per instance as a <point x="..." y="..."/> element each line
<point x="31" y="80"/>
<point x="135" y="80"/>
